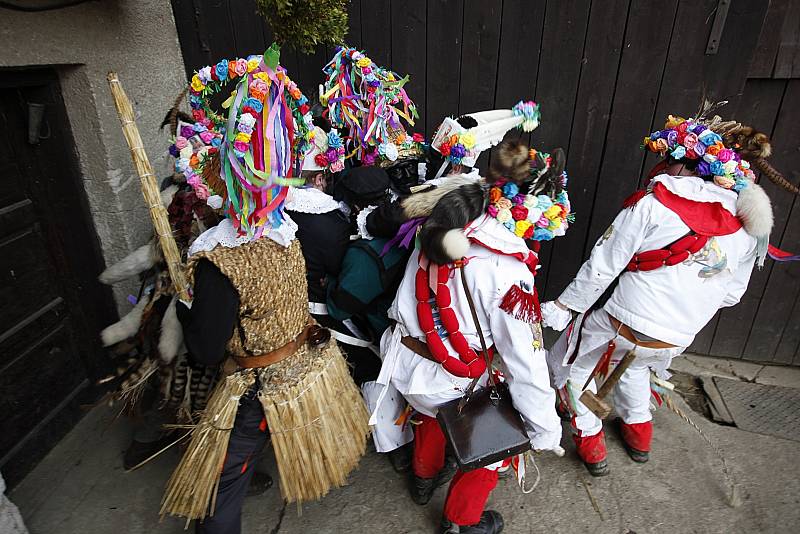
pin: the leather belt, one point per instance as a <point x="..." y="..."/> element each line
<point x="279" y="354"/>
<point x="418" y="347"/>
<point x="626" y="332"/>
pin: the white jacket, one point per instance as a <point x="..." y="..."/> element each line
<point x="671" y="303"/>
<point x="489" y="276"/>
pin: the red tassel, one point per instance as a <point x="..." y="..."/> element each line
<point x="521" y="305"/>
<point x="632" y="200"/>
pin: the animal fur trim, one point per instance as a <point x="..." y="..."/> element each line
<point x="438" y="240"/>
<point x="510" y="160"/>
<point x="422" y="204"/>
<point x="134" y="263"/>
<point x="754" y="209"/>
<point x="167" y="194"/>
<point x="455" y="244"/>
<point x="126" y="327"/>
<point x="171" y="339"/>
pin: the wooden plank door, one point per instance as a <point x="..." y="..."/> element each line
<point x="51" y="303"/>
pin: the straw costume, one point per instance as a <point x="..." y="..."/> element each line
<point x="432" y="353"/>
<point x="679" y="250"/>
<point x="250" y="309"/>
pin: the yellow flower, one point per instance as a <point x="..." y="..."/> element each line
<point x="197" y="85"/>
<point x="390" y="77"/>
<point x="252" y="65"/>
<point x="521" y="227"/>
<point x="468" y="140"/>
<point x="364" y="62"/>
<point x="673" y="121"/>
<point x="554" y="223"/>
<point x="263" y="77"/>
<point x="552" y="212"/>
<point x="243" y="137"/>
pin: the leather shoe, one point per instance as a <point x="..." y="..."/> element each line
<point x="491" y="523"/>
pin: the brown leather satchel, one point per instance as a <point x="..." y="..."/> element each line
<point x="482" y="427"/>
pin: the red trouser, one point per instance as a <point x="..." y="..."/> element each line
<point x="469" y="490"/>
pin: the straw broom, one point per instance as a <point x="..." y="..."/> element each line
<point x="150" y="190"/>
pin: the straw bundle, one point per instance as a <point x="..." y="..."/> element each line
<point x="317" y="420"/>
<point x="192" y="489"/>
<point x="150" y="188"/>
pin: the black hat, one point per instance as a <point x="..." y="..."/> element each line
<point x="362" y="185"/>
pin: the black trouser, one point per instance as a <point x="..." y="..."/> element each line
<point x="248" y="437"/>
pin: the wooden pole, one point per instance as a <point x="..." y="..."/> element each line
<point x="152" y="196"/>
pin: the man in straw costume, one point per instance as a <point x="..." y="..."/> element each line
<point x="679" y="250"/>
<point x="432" y="354"/>
<point x="250" y="310"/>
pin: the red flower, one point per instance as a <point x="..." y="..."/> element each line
<point x="321" y="160"/>
<point x="529" y="232"/>
<point x="248" y="109"/>
<point x="519" y="213"/>
<point x="681" y="136"/>
<point x="691" y="154"/>
<point x="213" y="150"/>
<point x="445" y="148"/>
<point x="418" y="138"/>
<point x="682" y="127"/>
<point x="304" y="109"/>
<point x="198" y="114"/>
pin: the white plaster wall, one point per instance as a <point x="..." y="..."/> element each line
<point x="138" y="40"/>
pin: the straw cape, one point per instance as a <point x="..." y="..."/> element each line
<point x="314" y="412"/>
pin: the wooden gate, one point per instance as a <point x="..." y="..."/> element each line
<point x="53" y="305"/>
<point x="605" y="73"/>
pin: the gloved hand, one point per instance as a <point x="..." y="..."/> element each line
<point x="554" y="316"/>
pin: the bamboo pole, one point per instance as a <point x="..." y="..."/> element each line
<point x="152" y="197"/>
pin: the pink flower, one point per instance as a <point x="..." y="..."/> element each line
<point x="690" y="141"/>
<point x="418" y="138"/>
<point x="240" y="146"/>
<point x="543" y="221"/>
<point x="725" y="155"/>
<point x="181" y="142"/>
<point x="206" y="137"/>
<point x="492" y="210"/>
<point x="241" y="67"/>
<point x="258" y="86"/>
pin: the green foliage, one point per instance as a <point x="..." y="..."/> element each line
<point x="305" y="24"/>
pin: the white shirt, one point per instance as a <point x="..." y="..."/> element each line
<point x="489" y="276"/>
<point x="671" y="303"/>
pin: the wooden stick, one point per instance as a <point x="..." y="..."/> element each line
<point x="152" y="197"/>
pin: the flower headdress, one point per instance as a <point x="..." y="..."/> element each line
<point x="366" y="102"/>
<point x="690" y="140"/>
<point x="262" y="138"/>
<point x="326" y="151"/>
<point x="537" y="207"/>
<point x="462" y="146"/>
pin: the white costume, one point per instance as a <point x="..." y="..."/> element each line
<point x="669" y="304"/>
<point x="426" y="385"/>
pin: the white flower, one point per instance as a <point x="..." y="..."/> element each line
<point x="214" y="201"/>
<point x="710" y="157"/>
<point x="247" y="119"/>
<point x="531" y="202"/>
<point x="504" y="215"/>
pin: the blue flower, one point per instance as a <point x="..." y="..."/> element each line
<point x="543" y="202"/>
<point x="698" y="129"/>
<point x="510" y="225"/>
<point x="671" y="136"/>
<point x="510" y="190"/>
<point x="216" y="142"/>
<point x="703" y="168"/>
<point x="709" y="138"/>
<point x="655" y="135"/>
<point x="222" y="70"/>
<point x="740" y="184"/>
<point x="199" y="127"/>
<point x="254" y="103"/>
<point x="678" y="152"/>
<point x="542" y="234"/>
<point x="334" y="140"/>
<point x="717" y="169"/>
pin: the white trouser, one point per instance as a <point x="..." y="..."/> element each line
<point x="631" y="395"/>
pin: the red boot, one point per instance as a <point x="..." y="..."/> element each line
<point x="592" y="450"/>
<point x="637" y="437"/>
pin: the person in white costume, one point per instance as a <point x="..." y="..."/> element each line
<point x="679" y="250"/>
<point x="432" y="353"/>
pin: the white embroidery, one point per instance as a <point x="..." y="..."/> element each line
<point x="226" y="235"/>
<point x="361" y="222"/>
<point x="310" y="200"/>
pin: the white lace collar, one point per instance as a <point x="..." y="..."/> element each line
<point x="361" y="222"/>
<point x="699" y="190"/>
<point x="226" y="235"/>
<point x="310" y="200"/>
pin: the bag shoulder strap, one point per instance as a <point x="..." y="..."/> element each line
<point x="474" y="313"/>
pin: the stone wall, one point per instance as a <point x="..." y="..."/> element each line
<point x="138" y="40"/>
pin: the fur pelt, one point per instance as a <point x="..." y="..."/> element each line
<point x="126" y="327"/>
<point x="167" y="194"/>
<point x="754" y="209"/>
<point x="139" y="260"/>
<point x="511" y="161"/>
<point x="171" y="338"/>
<point x="422" y="204"/>
<point x="441" y="237"/>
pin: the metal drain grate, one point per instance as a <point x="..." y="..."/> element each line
<point x="764" y="409"/>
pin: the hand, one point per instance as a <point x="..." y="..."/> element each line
<point x="555" y="315"/>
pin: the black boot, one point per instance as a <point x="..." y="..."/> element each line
<point x="599" y="469"/>
<point x="400" y="459"/>
<point x="636" y="455"/>
<point x="422" y="488"/>
<point x="491" y="523"/>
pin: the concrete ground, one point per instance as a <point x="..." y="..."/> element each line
<point x="81" y="487"/>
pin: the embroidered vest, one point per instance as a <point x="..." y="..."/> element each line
<point x="273" y="293"/>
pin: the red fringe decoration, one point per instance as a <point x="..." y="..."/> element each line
<point x="632" y="200"/>
<point x="522" y="305"/>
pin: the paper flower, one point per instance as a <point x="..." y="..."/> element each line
<point x="529" y="111"/>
